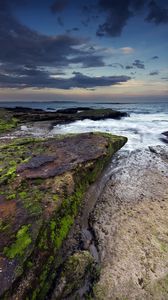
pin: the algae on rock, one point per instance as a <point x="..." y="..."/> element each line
<point x="42" y="184"/>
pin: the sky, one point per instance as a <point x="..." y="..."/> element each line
<point x="96" y="50"/>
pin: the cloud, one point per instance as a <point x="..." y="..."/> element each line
<point x="88" y="61"/>
<point x="60" y="21"/>
<point x="59" y="5"/>
<point x="40" y="50"/>
<point x="157" y="14"/>
<point x="155" y="57"/>
<point x="127" y="50"/>
<point x="154" y="73"/>
<point x="138" y="64"/>
<point x="118" y="13"/>
<point x="128" y="67"/>
<point x="41" y="79"/>
<point x="74" y="29"/>
<point x="29" y="59"/>
<point x="115" y="65"/>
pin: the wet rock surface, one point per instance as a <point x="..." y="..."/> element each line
<point x="164" y="137"/>
<point x="130" y="224"/>
<point x="62" y="116"/>
<point x="76" y="269"/>
<point x="42" y="184"/>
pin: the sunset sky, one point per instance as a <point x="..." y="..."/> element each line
<point x="101" y="50"/>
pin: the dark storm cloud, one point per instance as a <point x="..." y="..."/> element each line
<point x="154" y="73"/>
<point x="128" y="67"/>
<point x="118" y="13"/>
<point x="155" y="57"/>
<point x="157" y="14"/>
<point x="44" y="80"/>
<point x="59" y="5"/>
<point x="60" y="21"/>
<point x="74" y="29"/>
<point x="29" y="59"/>
<point x="138" y="64"/>
<point x="20" y="45"/>
<point x="88" y="61"/>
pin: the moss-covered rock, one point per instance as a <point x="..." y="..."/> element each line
<point x="42" y="184"/>
<point x="7" y="121"/>
<point x="73" y="275"/>
<point x="64" y="115"/>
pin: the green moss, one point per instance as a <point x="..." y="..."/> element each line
<point x="34" y="195"/>
<point x="10" y="174"/>
<point x="29" y="264"/>
<point x="43" y="241"/>
<point x="38" y="181"/>
<point x="18" y="271"/>
<point x="23" y="240"/>
<point x="23" y="195"/>
<point x="31" y="198"/>
<point x="4" y="226"/>
<point x="11" y="196"/>
<point x="65" y="225"/>
<point x="55" y="197"/>
<point x="7" y="121"/>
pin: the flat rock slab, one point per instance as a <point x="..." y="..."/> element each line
<point x="42" y="184"/>
<point x="130" y="223"/>
<point x="63" y="155"/>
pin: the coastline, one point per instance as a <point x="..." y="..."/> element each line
<point x="130" y="225"/>
<point x="43" y="182"/>
<point x="129" y="191"/>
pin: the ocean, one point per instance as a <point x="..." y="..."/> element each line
<point x="143" y="127"/>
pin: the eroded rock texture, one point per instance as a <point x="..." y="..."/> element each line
<point x="131" y="227"/>
<point x="42" y="184"/>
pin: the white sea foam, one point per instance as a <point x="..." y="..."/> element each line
<point x="141" y="129"/>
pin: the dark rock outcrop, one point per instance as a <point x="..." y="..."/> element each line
<point x="164" y="137"/>
<point x="64" y="116"/>
<point x="42" y="184"/>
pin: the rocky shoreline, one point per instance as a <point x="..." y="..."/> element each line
<point x="130" y="224"/>
<point x="43" y="183"/>
<point x="73" y="223"/>
<point x="20" y="122"/>
<point x="22" y="115"/>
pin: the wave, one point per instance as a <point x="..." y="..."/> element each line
<point x="142" y="130"/>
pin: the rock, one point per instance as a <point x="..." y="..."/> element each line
<point x="86" y="238"/>
<point x="63" y="116"/>
<point x="73" y="275"/>
<point x="42" y="184"/>
<point x="165" y="137"/>
<point x="165" y="133"/>
<point x="20" y="109"/>
<point x="73" y="110"/>
<point x="131" y="228"/>
<point x="7" y="121"/>
<point x="94" y="252"/>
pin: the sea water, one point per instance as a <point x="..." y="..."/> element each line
<point x="143" y="127"/>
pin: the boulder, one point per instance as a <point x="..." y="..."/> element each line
<point x="42" y="185"/>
